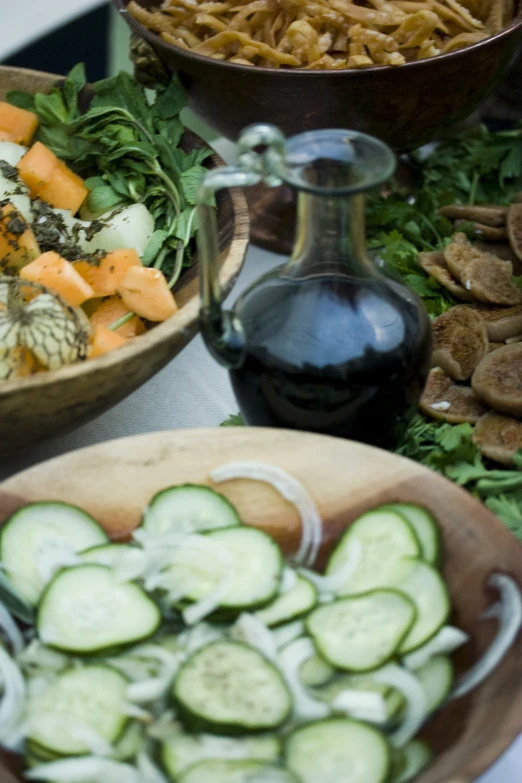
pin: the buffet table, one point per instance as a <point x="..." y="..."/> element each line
<point x="193" y="390"/>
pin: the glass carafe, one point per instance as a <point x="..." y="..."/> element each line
<point x="325" y="342"/>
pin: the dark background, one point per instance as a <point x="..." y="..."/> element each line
<point x="82" y="40"/>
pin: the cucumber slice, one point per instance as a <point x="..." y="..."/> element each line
<point x="131" y="742"/>
<point x="386" y="539"/>
<point x="181" y="751"/>
<point x="426" y="588"/>
<point x="236" y="772"/>
<point x="188" y="508"/>
<point x="436" y="678"/>
<point x="296" y="602"/>
<point x="231" y="688"/>
<point x="393" y="699"/>
<point x="79" y="702"/>
<point x="416" y="757"/>
<point x="256" y="565"/>
<point x="40" y="537"/>
<point x="425" y="528"/>
<point x="315" y="671"/>
<point x="338" y="749"/>
<point x="107" y="554"/>
<point x="86" y="610"/>
<point x="362" y="632"/>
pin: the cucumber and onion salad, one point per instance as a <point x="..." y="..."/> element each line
<point x="195" y="653"/>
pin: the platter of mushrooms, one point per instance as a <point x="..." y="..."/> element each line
<point x="476" y="373"/>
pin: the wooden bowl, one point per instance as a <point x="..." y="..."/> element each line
<point x="405" y="106"/>
<point x="35" y="407"/>
<point x="114" y="480"/>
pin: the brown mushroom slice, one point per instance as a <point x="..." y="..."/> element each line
<point x="434" y="264"/>
<point x="514" y="228"/>
<point x="445" y="400"/>
<point x="494" y="346"/>
<point x="459" y="253"/>
<point x="460" y="341"/>
<point x="497" y="381"/>
<point x="490" y="280"/>
<point x="516" y="339"/>
<point x="501" y="322"/>
<point x="492" y="233"/>
<point x="498" y="437"/>
<point x="489" y="215"/>
<point x="499" y="249"/>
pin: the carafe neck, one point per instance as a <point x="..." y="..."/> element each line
<point x="330" y="237"/>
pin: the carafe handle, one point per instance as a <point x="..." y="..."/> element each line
<point x="221" y="329"/>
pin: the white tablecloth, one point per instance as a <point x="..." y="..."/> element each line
<point x="194" y="391"/>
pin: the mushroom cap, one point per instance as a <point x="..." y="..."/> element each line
<point x="514" y="228"/>
<point x="489" y="279"/>
<point x="498" y="437"/>
<point x="435" y="265"/>
<point x="460" y="341"/>
<point x="489" y="215"/>
<point x="443" y="399"/>
<point x="497" y="381"/>
<point x="501" y="322"/>
<point x="459" y="253"/>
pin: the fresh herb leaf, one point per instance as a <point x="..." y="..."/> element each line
<point x="234" y="420"/>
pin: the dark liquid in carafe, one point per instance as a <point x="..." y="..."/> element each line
<point x="334" y="355"/>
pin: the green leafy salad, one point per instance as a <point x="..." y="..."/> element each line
<point x="480" y="166"/>
<point x="130" y="150"/>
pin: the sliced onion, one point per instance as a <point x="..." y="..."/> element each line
<point x="290" y="660"/>
<point x="84" y="770"/>
<point x="288" y="580"/>
<point x="150" y="688"/>
<point x="364" y="705"/>
<point x="12" y="706"/>
<point x="149" y="773"/>
<point x="333" y="582"/>
<point x="253" y="632"/>
<point x="444" y="642"/>
<point x="131" y="565"/>
<point x="141" y="715"/>
<point x="36" y="657"/>
<point x="198" y="637"/>
<point x="509" y="613"/>
<point x="288" y="632"/>
<point x="292" y="490"/>
<point x="11" y="630"/>
<point x="167" y="550"/>
<point x="413" y="692"/>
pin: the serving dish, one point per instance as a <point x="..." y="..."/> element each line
<point x="35" y="407"/>
<point x="114" y="480"/>
<point x="405" y="106"/>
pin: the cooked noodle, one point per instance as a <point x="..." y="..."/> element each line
<point x="324" y="34"/>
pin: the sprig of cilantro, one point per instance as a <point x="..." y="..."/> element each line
<point x="129" y="149"/>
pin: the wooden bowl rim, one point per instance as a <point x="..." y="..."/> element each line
<point x="180" y="321"/>
<point x="155" y="40"/>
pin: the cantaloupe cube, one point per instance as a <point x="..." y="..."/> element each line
<point x="18" y="245"/>
<point x="104" y="340"/>
<point x="145" y="292"/>
<point x="106" y="275"/>
<point x="19" y="124"/>
<point x="110" y="311"/>
<point x="59" y="276"/>
<point x="36" y="167"/>
<point x="65" y="189"/>
<point x="51" y="179"/>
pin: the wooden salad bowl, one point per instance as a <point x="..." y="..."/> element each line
<point x="49" y="403"/>
<point x="113" y="481"/>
